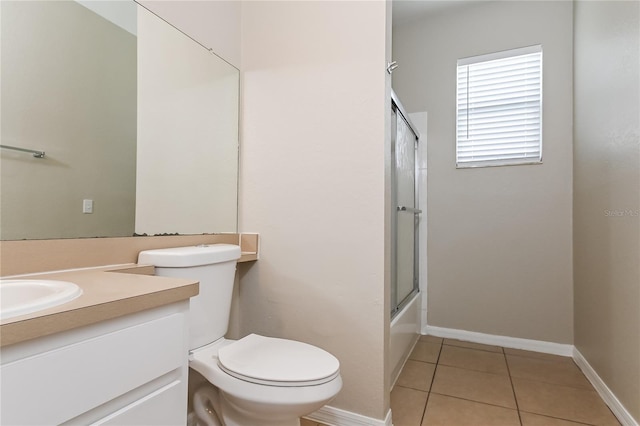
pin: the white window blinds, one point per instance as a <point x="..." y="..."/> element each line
<point x="499" y="109"/>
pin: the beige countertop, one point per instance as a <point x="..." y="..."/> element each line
<point x="107" y="292"/>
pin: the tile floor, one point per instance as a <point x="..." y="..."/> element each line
<point x="454" y="383"/>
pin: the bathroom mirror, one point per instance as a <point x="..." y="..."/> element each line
<point x="138" y="122"/>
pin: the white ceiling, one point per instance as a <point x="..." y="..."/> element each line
<point x="408" y="10"/>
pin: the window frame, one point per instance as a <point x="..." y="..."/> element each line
<point x="505" y="54"/>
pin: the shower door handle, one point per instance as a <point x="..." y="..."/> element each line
<point x="409" y="210"/>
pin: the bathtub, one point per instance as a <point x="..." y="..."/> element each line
<point x="403" y="336"/>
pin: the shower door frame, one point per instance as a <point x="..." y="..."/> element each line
<point x="398" y="305"/>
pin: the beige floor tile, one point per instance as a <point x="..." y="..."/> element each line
<point x="559" y="373"/>
<point x="471" y="345"/>
<point x="431" y="339"/>
<point x="407" y="406"/>
<point x="529" y="419"/>
<point x="564" y="402"/>
<point x="474" y="385"/>
<point x="426" y="352"/>
<point x="416" y="375"/>
<point x="538" y="355"/>
<point x="447" y="411"/>
<point x="473" y="359"/>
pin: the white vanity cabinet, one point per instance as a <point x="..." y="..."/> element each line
<point x="130" y="370"/>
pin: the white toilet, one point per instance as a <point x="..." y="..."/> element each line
<point x="254" y="381"/>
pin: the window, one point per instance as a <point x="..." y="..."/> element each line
<point x="499" y="109"/>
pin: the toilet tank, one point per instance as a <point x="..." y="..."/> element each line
<point x="214" y="266"/>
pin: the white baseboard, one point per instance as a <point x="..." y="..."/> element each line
<point x="336" y="417"/>
<point x="603" y="390"/>
<point x="507" y="342"/>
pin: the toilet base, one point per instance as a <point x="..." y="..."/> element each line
<point x="232" y="416"/>
<point x="211" y="408"/>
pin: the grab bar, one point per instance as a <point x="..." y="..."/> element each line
<point x="37" y="154"/>
<point x="409" y="210"/>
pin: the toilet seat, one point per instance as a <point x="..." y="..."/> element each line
<point x="277" y="362"/>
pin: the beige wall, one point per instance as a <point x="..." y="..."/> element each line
<point x="499" y="238"/>
<point x="187" y="164"/>
<point x="606" y="208"/>
<point x="69" y="89"/>
<point x="313" y="184"/>
<point x="216" y="24"/>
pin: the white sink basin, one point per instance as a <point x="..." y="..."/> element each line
<point x="19" y="297"/>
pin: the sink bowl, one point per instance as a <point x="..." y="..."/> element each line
<point x="20" y="297"/>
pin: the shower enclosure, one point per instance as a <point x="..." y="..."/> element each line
<point x="404" y="202"/>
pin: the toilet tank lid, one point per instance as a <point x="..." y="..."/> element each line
<point x="184" y="257"/>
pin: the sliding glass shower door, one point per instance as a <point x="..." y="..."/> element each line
<point x="405" y="214"/>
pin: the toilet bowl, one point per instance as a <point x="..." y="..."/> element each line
<point x="253" y="381"/>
